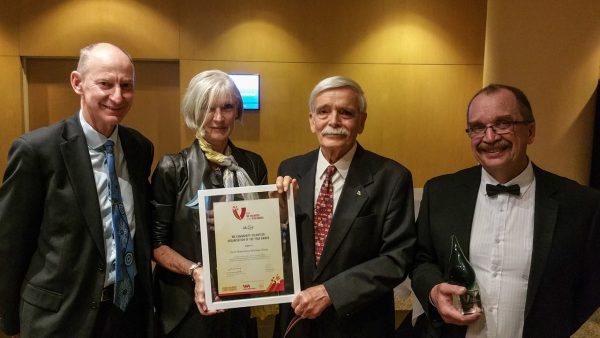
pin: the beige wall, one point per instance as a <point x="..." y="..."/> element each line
<point x="147" y="29"/>
<point x="11" y="99"/>
<point x="418" y="61"/>
<point x="154" y="112"/>
<point x="551" y="50"/>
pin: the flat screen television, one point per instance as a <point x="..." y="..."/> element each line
<point x="249" y="87"/>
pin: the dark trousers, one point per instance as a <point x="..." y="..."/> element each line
<point x="233" y="323"/>
<point x="114" y="323"/>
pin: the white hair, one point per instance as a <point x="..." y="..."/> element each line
<point x="338" y="82"/>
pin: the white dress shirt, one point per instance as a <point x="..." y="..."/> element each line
<point x="339" y="177"/>
<point x="500" y="253"/>
<point x="95" y="141"/>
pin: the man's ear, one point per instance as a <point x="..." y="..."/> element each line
<point x="363" y="120"/>
<point x="311" y="122"/>
<point x="531" y="129"/>
<point x="76" y="82"/>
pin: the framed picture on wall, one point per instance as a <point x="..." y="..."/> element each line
<point x="249" y="87"/>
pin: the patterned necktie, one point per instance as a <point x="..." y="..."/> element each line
<point x="125" y="263"/>
<point x="323" y="213"/>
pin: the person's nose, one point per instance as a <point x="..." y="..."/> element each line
<point x="218" y="115"/>
<point x="117" y="94"/>
<point x="334" y="118"/>
<point x="490" y="135"/>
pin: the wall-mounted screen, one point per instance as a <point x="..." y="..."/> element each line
<point x="249" y="86"/>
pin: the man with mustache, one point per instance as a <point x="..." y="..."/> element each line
<point x="74" y="238"/>
<point x="532" y="237"/>
<point x="355" y="222"/>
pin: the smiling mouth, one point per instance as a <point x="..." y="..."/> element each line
<point x="114" y="108"/>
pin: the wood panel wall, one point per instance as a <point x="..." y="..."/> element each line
<point x="418" y="62"/>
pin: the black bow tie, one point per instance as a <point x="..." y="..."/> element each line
<point x="493" y="190"/>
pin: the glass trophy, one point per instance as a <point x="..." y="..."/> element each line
<point x="460" y="272"/>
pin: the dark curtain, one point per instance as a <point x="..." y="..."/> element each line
<point x="595" y="173"/>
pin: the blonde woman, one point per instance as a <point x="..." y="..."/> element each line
<point x="210" y="106"/>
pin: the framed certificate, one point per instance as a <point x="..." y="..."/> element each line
<point x="249" y="249"/>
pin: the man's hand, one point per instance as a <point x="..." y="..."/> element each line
<point x="441" y="297"/>
<point x="284" y="183"/>
<point x="283" y="186"/>
<point x="199" y="294"/>
<point x="310" y="303"/>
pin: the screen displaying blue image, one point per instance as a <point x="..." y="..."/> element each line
<point x="249" y="87"/>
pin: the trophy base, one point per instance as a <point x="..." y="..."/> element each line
<point x="468" y="303"/>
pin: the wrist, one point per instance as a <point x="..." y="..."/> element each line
<point x="193" y="268"/>
<point x="431" y="301"/>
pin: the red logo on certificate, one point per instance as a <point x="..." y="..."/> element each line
<point x="237" y="214"/>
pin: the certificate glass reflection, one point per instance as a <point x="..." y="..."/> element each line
<point x="249" y="247"/>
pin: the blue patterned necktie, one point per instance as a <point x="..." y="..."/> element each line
<point x="125" y="262"/>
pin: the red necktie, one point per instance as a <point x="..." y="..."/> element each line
<point x="323" y="213"/>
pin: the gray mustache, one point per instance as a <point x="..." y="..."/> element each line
<point x="495" y="146"/>
<point x="335" y="131"/>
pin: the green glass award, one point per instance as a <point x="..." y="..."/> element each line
<point x="460" y="272"/>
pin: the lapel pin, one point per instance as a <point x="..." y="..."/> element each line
<point x="358" y="193"/>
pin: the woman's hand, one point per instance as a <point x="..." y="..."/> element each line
<point x="199" y="298"/>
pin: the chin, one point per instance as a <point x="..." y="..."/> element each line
<point x="113" y="120"/>
<point x="493" y="163"/>
<point x="111" y="115"/>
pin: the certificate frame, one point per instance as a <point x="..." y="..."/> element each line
<point x="252" y="196"/>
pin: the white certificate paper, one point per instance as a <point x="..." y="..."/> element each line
<point x="249" y="246"/>
<point x="248" y="240"/>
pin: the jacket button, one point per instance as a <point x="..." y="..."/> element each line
<point x="94" y="305"/>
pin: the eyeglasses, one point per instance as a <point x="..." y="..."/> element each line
<point x="500" y="128"/>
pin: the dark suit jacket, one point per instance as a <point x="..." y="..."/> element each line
<point x="368" y="250"/>
<point x="175" y="182"/>
<point x="564" y="282"/>
<point x="52" y="256"/>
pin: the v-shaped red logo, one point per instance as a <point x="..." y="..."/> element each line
<point x="237" y="214"/>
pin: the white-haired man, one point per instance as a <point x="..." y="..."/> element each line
<point x="355" y="222"/>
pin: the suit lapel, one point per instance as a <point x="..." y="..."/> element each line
<point x="353" y="197"/>
<point x="305" y="209"/>
<point x="465" y="211"/>
<point x="545" y="217"/>
<point x="77" y="161"/>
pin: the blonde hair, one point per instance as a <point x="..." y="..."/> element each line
<point x="204" y="89"/>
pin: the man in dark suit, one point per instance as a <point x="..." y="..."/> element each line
<point x="58" y="256"/>
<point x="356" y="240"/>
<point x="532" y="237"/>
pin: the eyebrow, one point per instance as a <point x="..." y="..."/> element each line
<point x="497" y="118"/>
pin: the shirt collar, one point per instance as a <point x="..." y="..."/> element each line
<point x="342" y="166"/>
<point x="524" y="179"/>
<point x="93" y="138"/>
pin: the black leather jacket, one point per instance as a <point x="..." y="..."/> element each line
<point x="175" y="182"/>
